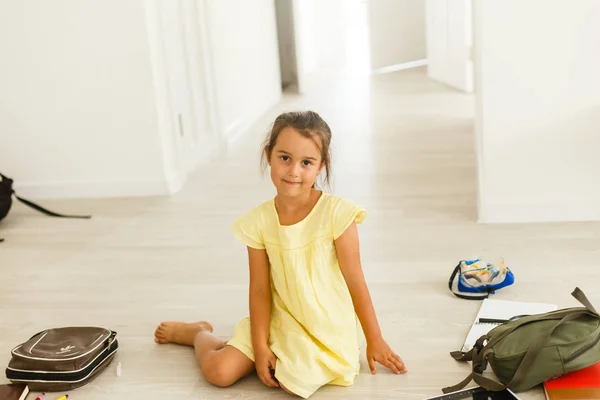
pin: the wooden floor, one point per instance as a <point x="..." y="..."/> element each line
<point x="403" y="148"/>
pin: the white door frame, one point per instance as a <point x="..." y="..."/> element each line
<point x="208" y="77"/>
<point x="292" y="32"/>
<point x="181" y="162"/>
<point x="450" y="42"/>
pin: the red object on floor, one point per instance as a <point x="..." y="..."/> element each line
<point x="581" y="384"/>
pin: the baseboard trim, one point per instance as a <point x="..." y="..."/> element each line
<point x="235" y="129"/>
<point x="70" y="190"/>
<point x="176" y="182"/>
<point x="522" y="214"/>
<point x="242" y="125"/>
<point x="400" y="67"/>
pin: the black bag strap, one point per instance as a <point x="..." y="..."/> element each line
<point x="36" y="206"/>
<point x="463" y="296"/>
<point x="46" y="211"/>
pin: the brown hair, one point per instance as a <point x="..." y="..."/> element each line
<point x="309" y="124"/>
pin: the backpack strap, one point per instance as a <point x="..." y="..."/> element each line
<point x="48" y="212"/>
<point x="464" y="296"/>
<point x="582" y="298"/>
<point x="459" y="385"/>
<point x="479" y="365"/>
<point x="470" y="355"/>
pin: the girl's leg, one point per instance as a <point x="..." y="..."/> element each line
<point x="221" y="365"/>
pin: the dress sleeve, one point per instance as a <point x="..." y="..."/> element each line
<point x="247" y="229"/>
<point x="345" y="212"/>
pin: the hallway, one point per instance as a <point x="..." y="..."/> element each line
<point x="403" y="147"/>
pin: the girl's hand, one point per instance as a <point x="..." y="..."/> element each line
<point x="265" y="363"/>
<point x="378" y="350"/>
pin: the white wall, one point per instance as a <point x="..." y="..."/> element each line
<point x="321" y="37"/>
<point x="328" y="21"/>
<point x="320" y="29"/>
<point x="305" y="34"/>
<point x="538" y="110"/>
<point x="243" y="38"/>
<point x="118" y="98"/>
<point x="77" y="109"/>
<point x="396" y="32"/>
<point x="449" y="42"/>
<point x="302" y="28"/>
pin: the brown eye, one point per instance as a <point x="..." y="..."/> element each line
<point x="306" y="163"/>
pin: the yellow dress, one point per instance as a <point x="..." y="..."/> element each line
<point x="314" y="332"/>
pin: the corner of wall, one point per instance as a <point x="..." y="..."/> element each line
<point x="476" y="58"/>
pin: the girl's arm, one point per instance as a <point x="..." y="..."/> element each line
<point x="348" y="252"/>
<point x="260" y="314"/>
<point x="260" y="297"/>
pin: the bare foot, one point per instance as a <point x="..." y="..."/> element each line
<point x="180" y="332"/>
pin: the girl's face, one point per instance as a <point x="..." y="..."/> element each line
<point x="295" y="163"/>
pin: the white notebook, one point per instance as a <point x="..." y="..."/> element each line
<point x="501" y="310"/>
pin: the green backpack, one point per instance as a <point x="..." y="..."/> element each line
<point x="528" y="351"/>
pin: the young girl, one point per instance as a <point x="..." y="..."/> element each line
<point x="306" y="283"/>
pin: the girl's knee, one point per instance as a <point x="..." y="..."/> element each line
<point x="226" y="366"/>
<point x="218" y="373"/>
